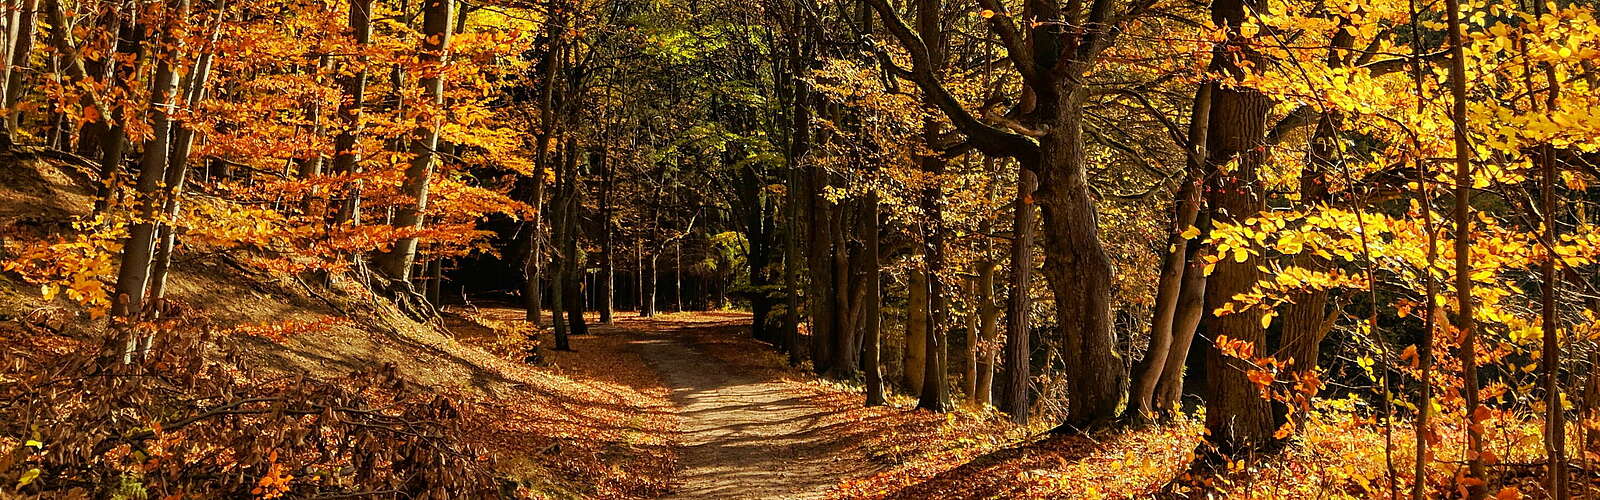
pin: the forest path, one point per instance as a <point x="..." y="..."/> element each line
<point x="743" y="434"/>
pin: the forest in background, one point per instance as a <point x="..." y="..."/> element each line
<point x="1253" y="224"/>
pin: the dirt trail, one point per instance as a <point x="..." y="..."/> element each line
<point x="744" y="436"/>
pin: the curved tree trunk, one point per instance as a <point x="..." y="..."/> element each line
<point x="1079" y="273"/>
<point x="1186" y="211"/>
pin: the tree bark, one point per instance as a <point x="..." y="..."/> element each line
<point x="820" y="251"/>
<point x="872" y="329"/>
<point x="1186" y="320"/>
<point x="21" y="51"/>
<point x="1465" y="323"/>
<point x="1019" y="353"/>
<point x="988" y="314"/>
<point x="607" y="244"/>
<point x="1079" y="273"/>
<point x="346" y="158"/>
<point x="396" y="264"/>
<point x="916" y="349"/>
<point x="1186" y="211"/>
<point x="177" y="174"/>
<point x="114" y="140"/>
<point x="133" y="276"/>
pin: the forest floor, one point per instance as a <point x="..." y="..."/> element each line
<point x="742" y="434"/>
<point x="739" y="429"/>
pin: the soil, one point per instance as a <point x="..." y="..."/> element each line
<point x="742" y="433"/>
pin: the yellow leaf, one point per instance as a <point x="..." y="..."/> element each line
<point x="27" y="477"/>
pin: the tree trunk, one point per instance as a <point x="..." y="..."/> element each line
<point x="571" y="264"/>
<point x="935" y="394"/>
<point x="988" y="314"/>
<point x="1238" y="418"/>
<point x="114" y="142"/>
<point x="916" y="354"/>
<point x="820" y="252"/>
<point x="133" y="277"/>
<point x="607" y="278"/>
<point x="346" y="159"/>
<point x="1079" y="273"/>
<point x="799" y="145"/>
<point x="845" y="359"/>
<point x="1306" y="320"/>
<point x="1465" y="323"/>
<point x="559" y="255"/>
<point x="969" y="352"/>
<point x="177" y="174"/>
<point x="21" y="52"/>
<point x="1019" y="354"/>
<point x="1165" y="311"/>
<point x="1185" y="321"/>
<point x="872" y="329"/>
<point x="396" y="263"/>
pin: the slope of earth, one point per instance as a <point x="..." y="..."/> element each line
<point x="581" y="427"/>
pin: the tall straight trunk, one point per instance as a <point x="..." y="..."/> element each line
<point x="969" y="352"/>
<point x="1239" y="419"/>
<point x="638" y="289"/>
<point x="758" y="237"/>
<point x="1185" y="321"/>
<point x="677" y="268"/>
<point x="21" y="51"/>
<point x="1558" y="482"/>
<point x="396" y="263"/>
<point x="1465" y="323"/>
<point x="820" y="251"/>
<point x="1432" y="311"/>
<point x="1164" y="315"/>
<point x="935" y="394"/>
<point x="312" y="167"/>
<point x="346" y="159"/>
<point x="799" y="145"/>
<point x="916" y="353"/>
<point x="133" y="276"/>
<point x="871" y="330"/>
<point x="988" y="316"/>
<point x="1019" y="353"/>
<point x="791" y="272"/>
<point x="532" y="296"/>
<point x="573" y="265"/>
<point x="9" y="19"/>
<point x="177" y="174"/>
<point x="114" y="142"/>
<point x="532" y="290"/>
<point x="845" y="358"/>
<point x="608" y="248"/>
<point x="558" y="255"/>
